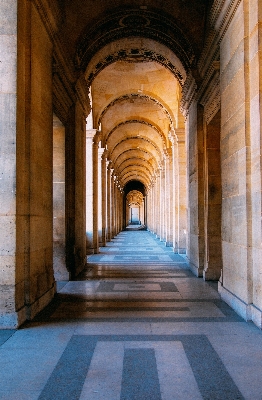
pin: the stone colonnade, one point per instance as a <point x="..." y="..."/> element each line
<point x="166" y="197"/>
<point x="223" y="147"/>
<point x="104" y="196"/>
<point x="204" y="199"/>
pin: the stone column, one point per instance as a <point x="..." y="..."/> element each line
<point x="112" y="203"/>
<point x="99" y="198"/>
<point x="157" y="203"/>
<point x="169" y="198"/>
<point x="153" y="204"/>
<point x="162" y="201"/>
<point x="177" y="138"/>
<point x="182" y="187"/>
<point x="113" y="210"/>
<point x="96" y="141"/>
<point x="175" y="188"/>
<point x="108" y="226"/>
<point x="148" y="220"/>
<point x="104" y="197"/>
<point x="142" y="216"/>
<point x="90" y="134"/>
<point x="8" y="86"/>
<point x="195" y="149"/>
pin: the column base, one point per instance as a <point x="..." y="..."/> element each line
<point x="197" y="271"/>
<point x="89" y="251"/>
<point x="179" y="250"/>
<point x="249" y="312"/>
<point x="41" y="303"/>
<point x="13" y="320"/>
<point x="16" y="319"/>
<point x="210" y="274"/>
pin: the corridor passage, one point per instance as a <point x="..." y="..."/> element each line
<point x="135" y="325"/>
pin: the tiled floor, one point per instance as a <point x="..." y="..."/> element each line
<point x="136" y="325"/>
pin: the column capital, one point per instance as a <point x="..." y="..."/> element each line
<point x="180" y="134"/>
<point x="157" y="172"/>
<point x="101" y="151"/>
<point x="97" y="138"/>
<point x="169" y="152"/>
<point x="176" y="135"/>
<point x="105" y="154"/>
<point x="166" y="154"/>
<point x="90" y="133"/>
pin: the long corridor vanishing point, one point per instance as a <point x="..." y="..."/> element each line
<point x="135" y="325"/>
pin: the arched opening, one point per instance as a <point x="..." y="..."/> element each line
<point x="134" y="199"/>
<point x="137" y="92"/>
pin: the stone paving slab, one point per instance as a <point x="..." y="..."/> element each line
<point x="129" y="330"/>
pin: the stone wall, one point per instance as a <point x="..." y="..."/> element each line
<point x="34" y="272"/>
<point x="255" y="69"/>
<point x="241" y="161"/>
<point x="8" y="65"/>
<point x="59" y="220"/>
<point x="195" y="149"/>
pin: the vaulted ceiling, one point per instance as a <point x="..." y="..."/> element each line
<point x="135" y="104"/>
<point x="135" y="57"/>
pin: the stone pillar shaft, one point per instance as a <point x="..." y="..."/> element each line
<point x="99" y="199"/>
<point x="90" y="134"/>
<point x="95" y="193"/>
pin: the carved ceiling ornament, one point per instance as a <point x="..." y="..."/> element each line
<point x="134" y="164"/>
<point x="134" y="55"/>
<point x="134" y="198"/>
<point x="134" y="96"/>
<point x="131" y="23"/>
<point x="140" y="140"/>
<point x="134" y="152"/>
<point x="136" y="167"/>
<point x="136" y="121"/>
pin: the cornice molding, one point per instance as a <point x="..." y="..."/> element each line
<point x="189" y="92"/>
<point x="82" y="93"/>
<point x="209" y="94"/>
<point x="67" y="88"/>
<point x="62" y="101"/>
<point x="124" y="23"/>
<point x="220" y="17"/>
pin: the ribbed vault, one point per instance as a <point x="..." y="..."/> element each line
<point x="135" y="105"/>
